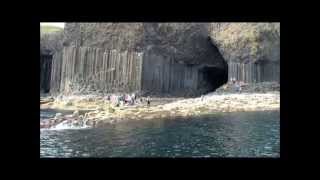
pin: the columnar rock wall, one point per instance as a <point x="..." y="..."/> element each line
<point x="87" y="69"/>
<point x="45" y="72"/>
<point x="252" y="50"/>
<point x="174" y="57"/>
<point x="95" y="69"/>
<point x="254" y="72"/>
<point x="162" y="74"/>
<point x="56" y="72"/>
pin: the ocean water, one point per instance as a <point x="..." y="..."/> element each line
<point x="241" y="134"/>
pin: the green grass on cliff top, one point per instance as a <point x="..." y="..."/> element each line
<point x="49" y="29"/>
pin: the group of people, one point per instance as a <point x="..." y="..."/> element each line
<point x="130" y="99"/>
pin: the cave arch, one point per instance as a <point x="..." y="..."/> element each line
<point x="211" y="78"/>
<point x="45" y="71"/>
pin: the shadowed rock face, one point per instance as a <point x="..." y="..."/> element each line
<point x="51" y="43"/>
<point x="50" y="46"/>
<point x="238" y="42"/>
<point x="45" y="72"/>
<point x="187" y="43"/>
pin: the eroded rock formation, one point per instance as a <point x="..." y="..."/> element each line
<point x="177" y="57"/>
<point x="50" y="50"/>
<point x="185" y="42"/>
<point x="252" y="50"/>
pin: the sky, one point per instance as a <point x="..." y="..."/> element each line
<point x="53" y="24"/>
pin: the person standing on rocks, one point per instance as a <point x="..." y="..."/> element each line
<point x="129" y="99"/>
<point x="118" y="101"/>
<point x="238" y="87"/>
<point x="241" y="85"/>
<point x="233" y="80"/>
<point x="133" y="98"/>
<point x="148" y="101"/>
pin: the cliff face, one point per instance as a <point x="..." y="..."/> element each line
<point x="119" y="36"/>
<point x="242" y="42"/>
<point x="201" y="55"/>
<point x="50" y="51"/>
<point x="187" y="42"/>
<point x="51" y="43"/>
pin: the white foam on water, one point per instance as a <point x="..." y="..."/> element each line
<point x="65" y="125"/>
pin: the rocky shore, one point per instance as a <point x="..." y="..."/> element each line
<point x="93" y="110"/>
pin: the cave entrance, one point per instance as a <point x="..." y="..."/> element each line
<point x="211" y="78"/>
<point x="45" y="72"/>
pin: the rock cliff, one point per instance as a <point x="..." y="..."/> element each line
<point x="187" y="42"/>
<point x="51" y="43"/>
<point x="249" y="52"/>
<point x="241" y="42"/>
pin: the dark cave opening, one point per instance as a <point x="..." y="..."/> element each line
<point x="45" y="72"/>
<point x="211" y="78"/>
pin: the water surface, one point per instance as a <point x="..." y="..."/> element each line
<point x="245" y="134"/>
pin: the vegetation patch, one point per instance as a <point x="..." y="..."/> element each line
<point x="49" y="29"/>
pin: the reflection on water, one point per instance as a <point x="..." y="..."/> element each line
<point x="250" y="134"/>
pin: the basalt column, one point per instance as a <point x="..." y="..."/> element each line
<point x="45" y="72"/>
<point x="96" y="69"/>
<point x="260" y="71"/>
<point x="56" y="73"/>
<point x="162" y="74"/>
